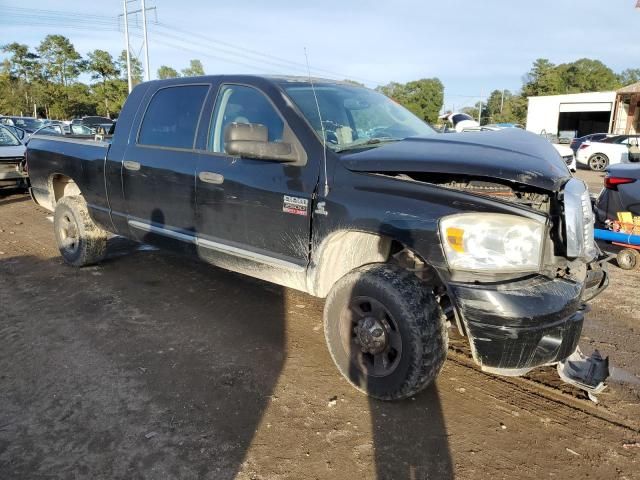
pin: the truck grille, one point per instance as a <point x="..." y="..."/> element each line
<point x="578" y="219"/>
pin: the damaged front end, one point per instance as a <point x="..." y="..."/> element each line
<point x="519" y="285"/>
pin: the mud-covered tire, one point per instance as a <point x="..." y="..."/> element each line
<point x="410" y="307"/>
<point x="80" y="241"/>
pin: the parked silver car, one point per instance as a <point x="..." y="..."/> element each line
<point x="12" y="156"/>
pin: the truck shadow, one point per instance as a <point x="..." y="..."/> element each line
<point x="151" y="366"/>
<point x="410" y="438"/>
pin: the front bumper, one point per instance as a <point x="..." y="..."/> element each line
<point x="516" y="326"/>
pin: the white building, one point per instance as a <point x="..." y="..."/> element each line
<point x="571" y="115"/>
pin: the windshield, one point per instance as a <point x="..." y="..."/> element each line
<point x="8" y="139"/>
<point x="460" y="117"/>
<point x="355" y="117"/>
<point x="30" y="124"/>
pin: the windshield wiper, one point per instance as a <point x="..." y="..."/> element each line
<point x="370" y="141"/>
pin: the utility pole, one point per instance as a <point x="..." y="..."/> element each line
<point x="126" y="14"/>
<point x="126" y="44"/>
<point x="502" y="101"/>
<point x="480" y="108"/>
<point x="146" y="42"/>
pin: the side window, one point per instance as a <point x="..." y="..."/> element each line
<point x="172" y="116"/>
<point x="242" y="104"/>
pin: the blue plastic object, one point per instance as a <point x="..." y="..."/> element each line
<point x="609" y="236"/>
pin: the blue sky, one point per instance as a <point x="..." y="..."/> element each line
<point x="472" y="46"/>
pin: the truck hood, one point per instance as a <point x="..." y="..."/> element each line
<point x="510" y="154"/>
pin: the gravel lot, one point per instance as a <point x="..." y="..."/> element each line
<point x="153" y="366"/>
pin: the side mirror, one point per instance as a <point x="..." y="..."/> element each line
<point x="251" y="140"/>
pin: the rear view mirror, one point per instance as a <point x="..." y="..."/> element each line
<point x="251" y="140"/>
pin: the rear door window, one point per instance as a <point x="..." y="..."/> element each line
<point x="172" y="117"/>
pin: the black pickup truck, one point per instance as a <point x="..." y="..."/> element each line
<point x="338" y="191"/>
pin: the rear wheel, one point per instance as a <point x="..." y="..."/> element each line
<point x="385" y="331"/>
<point x="598" y="162"/>
<point x="80" y="241"/>
<point x="628" y="259"/>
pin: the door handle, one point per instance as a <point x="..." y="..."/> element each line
<point x="210" y="177"/>
<point x="129" y="165"/>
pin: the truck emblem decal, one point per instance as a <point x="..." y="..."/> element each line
<point x="295" y="205"/>
<point x="320" y="209"/>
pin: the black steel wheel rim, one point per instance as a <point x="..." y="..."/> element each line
<point x="371" y="337"/>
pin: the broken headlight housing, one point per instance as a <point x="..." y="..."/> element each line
<point x="579" y="220"/>
<point x="492" y="242"/>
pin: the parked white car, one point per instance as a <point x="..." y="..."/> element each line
<point x="567" y="155"/>
<point x="461" y="122"/>
<point x="617" y="149"/>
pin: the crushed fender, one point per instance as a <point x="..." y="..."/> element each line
<point x="586" y="373"/>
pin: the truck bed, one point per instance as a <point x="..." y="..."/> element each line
<point x="78" y="158"/>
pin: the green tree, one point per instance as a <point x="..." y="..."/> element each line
<point x="629" y="76"/>
<point x="23" y="63"/>
<point x="22" y="69"/>
<point x="586" y="75"/>
<point x="101" y="67"/>
<point x="136" y="67"/>
<point x="59" y="59"/>
<point x="542" y="79"/>
<point x="195" y="69"/>
<point x="165" y="72"/>
<point x="423" y="97"/>
<point x="583" y="75"/>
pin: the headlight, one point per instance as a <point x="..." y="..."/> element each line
<point x="492" y="242"/>
<point x="579" y="220"/>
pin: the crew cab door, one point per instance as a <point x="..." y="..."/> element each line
<point x="258" y="210"/>
<point x="158" y="168"/>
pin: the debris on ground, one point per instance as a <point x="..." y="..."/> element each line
<point x="586" y="373"/>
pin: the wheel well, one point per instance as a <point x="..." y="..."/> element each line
<point x="345" y="250"/>
<point x="341" y="252"/>
<point x="61" y="186"/>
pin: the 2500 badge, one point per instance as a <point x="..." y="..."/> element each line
<point x="295" y="205"/>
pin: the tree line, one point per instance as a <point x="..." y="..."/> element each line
<point x="547" y="78"/>
<point x="47" y="77"/>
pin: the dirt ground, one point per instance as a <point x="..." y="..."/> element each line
<point x="153" y="366"/>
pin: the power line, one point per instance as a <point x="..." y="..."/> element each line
<point x="239" y="55"/>
<point x="255" y="53"/>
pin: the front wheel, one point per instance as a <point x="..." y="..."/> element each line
<point x="80" y="241"/>
<point x="385" y="331"/>
<point x="598" y="162"/>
